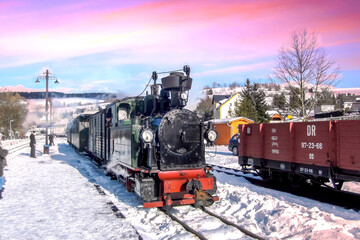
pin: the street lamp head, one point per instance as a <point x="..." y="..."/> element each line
<point x="37" y="81"/>
<point x="46" y="71"/>
<point x="56" y="81"/>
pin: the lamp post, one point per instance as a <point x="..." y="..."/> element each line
<point x="10" y="129"/>
<point x="46" y="76"/>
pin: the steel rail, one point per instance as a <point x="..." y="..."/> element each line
<point x="227" y="222"/>
<point x="313" y="192"/>
<point x="187" y="227"/>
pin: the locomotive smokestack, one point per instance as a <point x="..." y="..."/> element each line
<point x="178" y="84"/>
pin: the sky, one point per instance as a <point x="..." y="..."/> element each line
<point x="114" y="46"/>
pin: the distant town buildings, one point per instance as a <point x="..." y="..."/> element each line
<point x="227" y="127"/>
<point x="224" y="101"/>
<point x="224" y="105"/>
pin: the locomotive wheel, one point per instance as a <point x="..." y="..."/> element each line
<point x="296" y="181"/>
<point x="316" y="183"/>
<point x="337" y="184"/>
<point x="264" y="174"/>
<point x="235" y="151"/>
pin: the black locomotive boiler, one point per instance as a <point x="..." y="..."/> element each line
<point x="155" y="145"/>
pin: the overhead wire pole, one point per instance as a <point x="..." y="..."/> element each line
<point x="46" y="76"/>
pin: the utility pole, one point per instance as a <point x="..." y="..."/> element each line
<point x="46" y="75"/>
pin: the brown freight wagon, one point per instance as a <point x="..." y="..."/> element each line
<point x="319" y="151"/>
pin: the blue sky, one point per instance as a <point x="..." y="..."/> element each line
<point x="109" y="46"/>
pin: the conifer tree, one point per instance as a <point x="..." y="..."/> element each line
<point x="252" y="103"/>
<point x="279" y="101"/>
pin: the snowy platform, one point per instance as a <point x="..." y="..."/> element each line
<point x="48" y="198"/>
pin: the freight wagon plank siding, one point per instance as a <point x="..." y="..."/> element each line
<point x="349" y="145"/>
<point x="250" y="136"/>
<point x="312" y="144"/>
<point x="278" y="144"/>
<point x="322" y="150"/>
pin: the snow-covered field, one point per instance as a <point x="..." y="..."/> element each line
<point x="54" y="197"/>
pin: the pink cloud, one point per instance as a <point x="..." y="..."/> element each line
<point x="235" y="69"/>
<point x="205" y="29"/>
<point x="22" y="88"/>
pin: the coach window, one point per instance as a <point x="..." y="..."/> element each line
<point x="108" y="115"/>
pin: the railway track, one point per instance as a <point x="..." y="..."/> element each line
<point x="322" y="193"/>
<point x="179" y="221"/>
<point x="16" y="147"/>
<point x="254" y="178"/>
<point x="236" y="172"/>
<point x="214" y="215"/>
<point x="19" y="145"/>
<point x="182" y="223"/>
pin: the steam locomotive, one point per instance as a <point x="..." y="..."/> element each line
<point x="152" y="144"/>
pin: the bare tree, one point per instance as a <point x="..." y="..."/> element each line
<point x="305" y="68"/>
<point x="205" y="108"/>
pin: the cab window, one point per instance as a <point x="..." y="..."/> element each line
<point x="122" y="114"/>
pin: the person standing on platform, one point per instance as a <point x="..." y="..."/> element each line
<point x="3" y="153"/>
<point x="51" y="139"/>
<point x="32" y="144"/>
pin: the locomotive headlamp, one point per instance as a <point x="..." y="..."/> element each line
<point x="212" y="135"/>
<point x="147" y="136"/>
<point x="183" y="96"/>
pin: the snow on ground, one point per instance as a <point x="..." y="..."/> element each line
<point x="53" y="197"/>
<point x="274" y="214"/>
<point x="45" y="198"/>
<point x="221" y="156"/>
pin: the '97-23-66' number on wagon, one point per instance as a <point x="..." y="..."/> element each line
<point x="311" y="145"/>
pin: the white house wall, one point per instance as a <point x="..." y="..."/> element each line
<point x="230" y="104"/>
